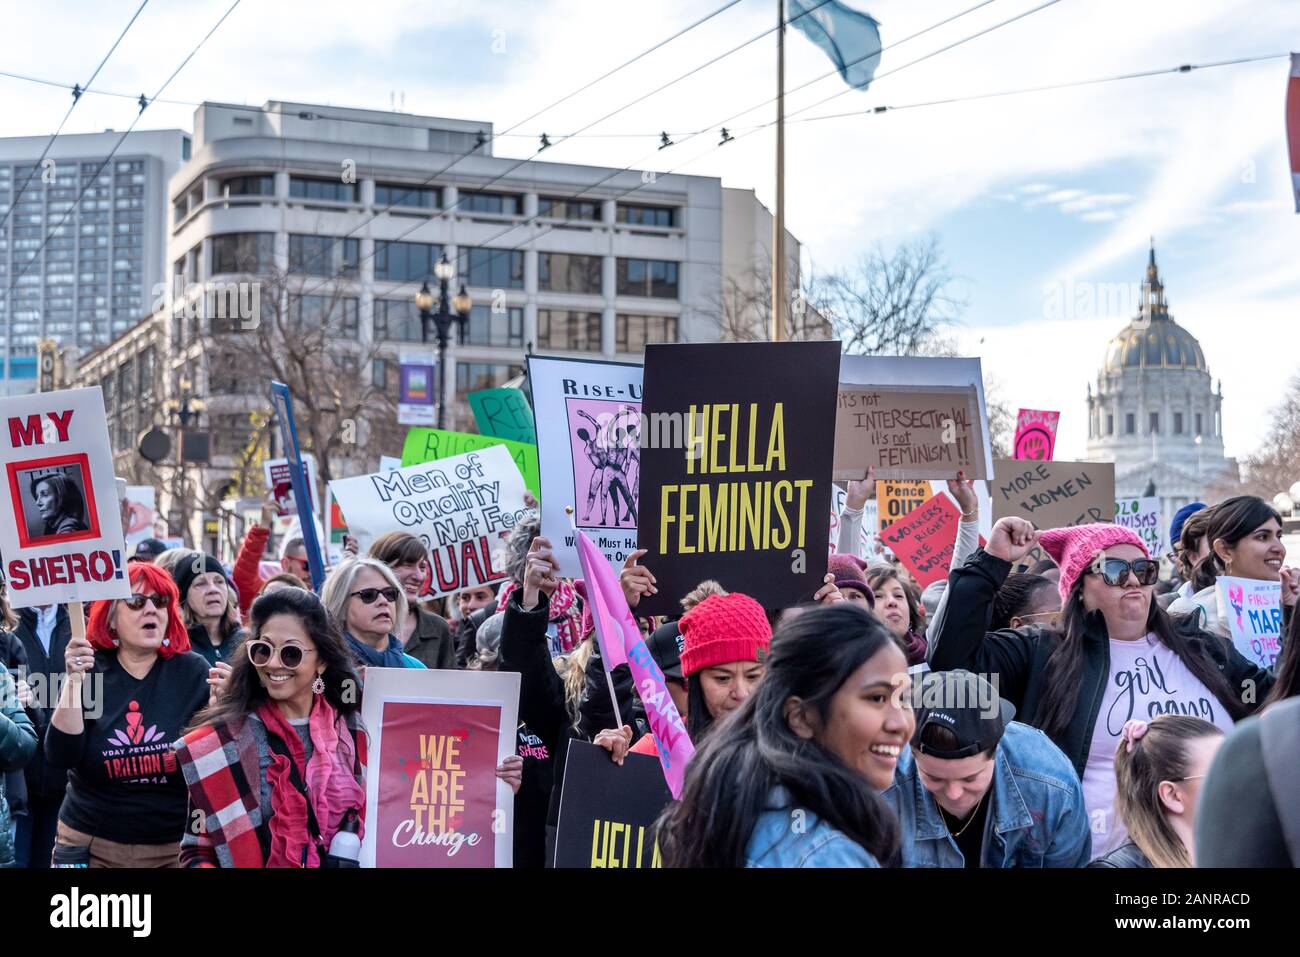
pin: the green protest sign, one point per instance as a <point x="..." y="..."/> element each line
<point x="429" y="445"/>
<point x="503" y="413"/>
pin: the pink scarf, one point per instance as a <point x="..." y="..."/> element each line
<point x="563" y="613"/>
<point x="329" y="776"/>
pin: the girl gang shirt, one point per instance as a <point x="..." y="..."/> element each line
<point x="1146" y="680"/>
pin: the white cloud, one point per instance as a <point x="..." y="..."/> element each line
<point x="1100" y="216"/>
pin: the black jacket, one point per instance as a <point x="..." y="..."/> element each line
<point x="1019" y="657"/>
<point x="42" y="780"/>
<point x="1127" y="854"/>
<point x="525" y="649"/>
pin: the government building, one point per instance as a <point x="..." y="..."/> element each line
<point x="1155" y="412"/>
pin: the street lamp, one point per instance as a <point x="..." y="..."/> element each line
<point x="186" y="409"/>
<point x="456" y="309"/>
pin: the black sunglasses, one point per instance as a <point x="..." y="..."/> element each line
<point x="1114" y="571"/>
<point x="136" y="602"/>
<point x="260" y="653"/>
<point x="368" y="595"/>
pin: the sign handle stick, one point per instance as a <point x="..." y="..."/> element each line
<point x="76" y="619"/>
<point x="595" y="620"/>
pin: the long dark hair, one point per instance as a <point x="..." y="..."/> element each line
<point x="244" y="692"/>
<point x="1231" y="520"/>
<point x="731" y="778"/>
<point x="1287" y="684"/>
<point x="1065" y="664"/>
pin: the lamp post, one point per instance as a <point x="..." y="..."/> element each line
<point x="186" y="409"/>
<point x="456" y="309"/>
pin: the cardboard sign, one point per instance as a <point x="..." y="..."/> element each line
<point x="608" y="813"/>
<point x="138" y="514"/>
<point x="588" y="429"/>
<point x="1253" y="611"/>
<point x="1142" y="515"/>
<point x="1035" y="435"/>
<point x="458" y="507"/>
<point x="911" y="418"/>
<point x="418" y="381"/>
<point x="430" y="445"/>
<point x="504" y="414"/>
<point x="432" y="795"/>
<point x="61" y="534"/>
<point x="279" y="481"/>
<point x="924" y="539"/>
<point x="739" y="493"/>
<point x="1053" y="494"/>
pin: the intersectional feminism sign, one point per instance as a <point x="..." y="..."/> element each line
<point x="61" y="534"/>
<point x="742" y="497"/>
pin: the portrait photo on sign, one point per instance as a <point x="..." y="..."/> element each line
<point x="606" y="461"/>
<point x="53" y="500"/>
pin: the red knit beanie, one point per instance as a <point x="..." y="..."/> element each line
<point x="722" y="629"/>
<point x="1074" y="548"/>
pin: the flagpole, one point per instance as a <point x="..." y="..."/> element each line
<point x="595" y="621"/>
<point x="778" y="223"/>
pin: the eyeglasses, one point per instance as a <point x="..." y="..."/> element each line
<point x="136" y="602"/>
<point x="1114" y="571"/>
<point x="1190" y="777"/>
<point x="1052" y="617"/>
<point x="368" y="595"/>
<point x="261" y="653"/>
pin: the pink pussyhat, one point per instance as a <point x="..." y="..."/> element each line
<point x="1074" y="548"/>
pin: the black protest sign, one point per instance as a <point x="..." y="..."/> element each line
<point x="1053" y="494"/>
<point x="736" y="451"/>
<point x="608" y="812"/>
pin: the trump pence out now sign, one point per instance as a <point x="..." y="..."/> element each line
<point x="61" y="534"/>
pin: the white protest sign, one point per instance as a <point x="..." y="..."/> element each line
<point x="1142" y="515"/>
<point x="61" y="534"/>
<point x="1253" y="610"/>
<point x="589" y="435"/>
<point x="458" y="506"/>
<point x="276" y="474"/>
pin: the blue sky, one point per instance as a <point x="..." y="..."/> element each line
<point x="1026" y="194"/>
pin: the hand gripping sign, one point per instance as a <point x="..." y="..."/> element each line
<point x="61" y="536"/>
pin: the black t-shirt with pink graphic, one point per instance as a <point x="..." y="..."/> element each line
<point x="125" y="784"/>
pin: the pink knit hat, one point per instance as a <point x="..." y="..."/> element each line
<point x="1074" y="548"/>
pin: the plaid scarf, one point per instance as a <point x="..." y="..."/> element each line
<point x="564" y="614"/>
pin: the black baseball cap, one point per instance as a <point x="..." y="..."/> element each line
<point x="149" y="548"/>
<point x="960" y="704"/>
<point x="665" y="646"/>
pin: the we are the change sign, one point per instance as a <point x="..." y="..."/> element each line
<point x="459" y="507"/>
<point x="61" y="535"/>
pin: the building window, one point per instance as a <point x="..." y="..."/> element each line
<point x="185" y="148"/>
<point x="474" y="376"/>
<point x="1198" y="424"/>
<point x="416" y="197"/>
<point x="1178" y="423"/>
<point x="503" y="204"/>
<point x="490" y="268"/>
<point x="558" y="208"/>
<point x="562" y="329"/>
<point x="1153" y="423"/>
<point x="324" y="255"/>
<point x="647" y="277"/>
<point x="396" y="320"/>
<point x="405" y="262"/>
<point x="489" y="327"/>
<point x="379" y="374"/>
<point x="1130" y="423"/>
<point x="242" y="252"/>
<point x="338" y="315"/>
<point x="254" y="184"/>
<point x="327" y="189"/>
<point x="180" y="209"/>
<point x="634" y="333"/>
<point x="565" y="272"/>
<point x="647" y="215"/>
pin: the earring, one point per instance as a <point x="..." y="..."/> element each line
<point x="117" y="643"/>
<point x="318" y="686"/>
<point x="166" y="642"/>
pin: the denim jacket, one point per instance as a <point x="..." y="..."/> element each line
<point x="1037" y="817"/>
<point x="788" y="836"/>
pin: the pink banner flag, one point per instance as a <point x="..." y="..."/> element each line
<point x="621" y="642"/>
<point x="1035" y="435"/>
<point x="1293" y="125"/>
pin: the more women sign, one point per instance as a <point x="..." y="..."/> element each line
<point x="61" y="534"/>
<point x="432" y="795"/>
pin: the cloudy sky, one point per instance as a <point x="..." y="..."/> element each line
<point x="1037" y="199"/>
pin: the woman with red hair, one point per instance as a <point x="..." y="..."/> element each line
<point x="126" y="798"/>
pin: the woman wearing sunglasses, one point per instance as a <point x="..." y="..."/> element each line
<point x="367" y="605"/>
<point x="125" y="803"/>
<point x="1113" y="656"/>
<point x="281" y="745"/>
